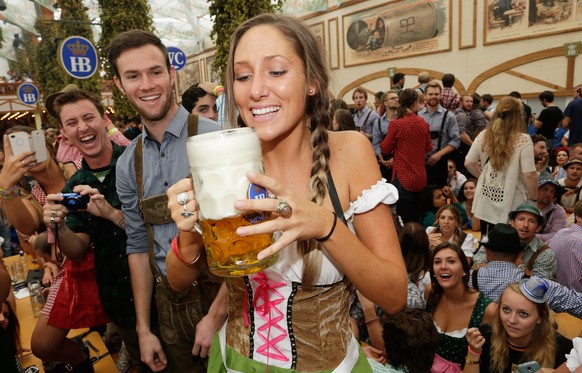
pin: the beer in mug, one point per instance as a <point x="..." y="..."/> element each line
<point x="219" y="162"/>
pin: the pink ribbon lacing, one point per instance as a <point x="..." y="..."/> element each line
<point x="268" y="311"/>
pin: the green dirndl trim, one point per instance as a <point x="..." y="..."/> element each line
<point x="242" y="363"/>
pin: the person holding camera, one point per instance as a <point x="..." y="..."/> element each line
<point x="88" y="224"/>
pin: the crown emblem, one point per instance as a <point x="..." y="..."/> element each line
<point x="27" y="89"/>
<point x="78" y="49"/>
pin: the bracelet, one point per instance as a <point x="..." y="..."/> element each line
<point x="112" y="131"/>
<point x="176" y="251"/>
<point x="217" y="90"/>
<point x="470" y="361"/>
<point x="371" y="321"/>
<point x="473" y="351"/>
<point x="10" y="193"/>
<point x="323" y="239"/>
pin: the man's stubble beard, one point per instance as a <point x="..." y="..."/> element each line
<point x="164" y="111"/>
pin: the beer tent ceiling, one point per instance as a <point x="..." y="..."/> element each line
<point x="180" y="23"/>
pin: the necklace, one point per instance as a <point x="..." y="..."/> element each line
<point x="517" y="348"/>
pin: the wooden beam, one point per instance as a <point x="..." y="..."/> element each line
<point x="522" y="60"/>
<point x="570" y="72"/>
<point x="532" y="79"/>
<point x="406" y="71"/>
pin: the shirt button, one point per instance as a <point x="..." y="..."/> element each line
<point x="169" y="240"/>
<point x="163" y="154"/>
<point x="121" y="255"/>
<point x="165" y="183"/>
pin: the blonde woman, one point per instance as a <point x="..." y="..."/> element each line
<point x="447" y="228"/>
<point x="522" y="332"/>
<point x="507" y="176"/>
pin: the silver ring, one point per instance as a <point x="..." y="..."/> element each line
<point x="187" y="214"/>
<point x="53" y="221"/>
<point x="284" y="209"/>
<point x="183" y="198"/>
<point x="54" y="213"/>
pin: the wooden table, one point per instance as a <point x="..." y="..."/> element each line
<point x="28" y="322"/>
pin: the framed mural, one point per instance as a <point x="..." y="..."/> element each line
<point x="318" y="30"/>
<point x="397" y="29"/>
<point x="507" y="20"/>
<point x="188" y="76"/>
<point x="467" y="24"/>
<point x="333" y="38"/>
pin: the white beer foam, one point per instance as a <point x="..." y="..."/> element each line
<point x="219" y="162"/>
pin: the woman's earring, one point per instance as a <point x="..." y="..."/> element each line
<point x="311" y="91"/>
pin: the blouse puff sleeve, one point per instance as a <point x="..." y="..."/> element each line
<point x="381" y="192"/>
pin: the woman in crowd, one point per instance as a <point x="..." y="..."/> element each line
<point x="433" y="198"/>
<point x="455" y="179"/>
<point x="507" y="176"/>
<point x="415" y="250"/>
<point x="10" y="346"/>
<point x="49" y="340"/>
<point x="447" y="228"/>
<point x="343" y="120"/>
<point x="466" y="196"/>
<point x="522" y="332"/>
<point x="454" y="306"/>
<point x="562" y="155"/>
<point x="275" y="62"/>
<point x="409" y="138"/>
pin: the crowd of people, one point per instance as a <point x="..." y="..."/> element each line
<point x="379" y="268"/>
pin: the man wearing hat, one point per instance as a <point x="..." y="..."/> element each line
<point x="572" y="184"/>
<point x="548" y="190"/>
<point x="502" y="250"/>
<point x="535" y="256"/>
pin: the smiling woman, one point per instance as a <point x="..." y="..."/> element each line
<point x="454" y="306"/>
<point x="293" y="316"/>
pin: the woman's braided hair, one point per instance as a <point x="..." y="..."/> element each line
<point x="308" y="48"/>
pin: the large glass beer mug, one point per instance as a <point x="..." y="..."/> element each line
<point x="219" y="162"/>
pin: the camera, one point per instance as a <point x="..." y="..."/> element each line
<point x="74" y="201"/>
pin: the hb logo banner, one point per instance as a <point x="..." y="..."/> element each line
<point x="28" y="93"/>
<point x="78" y="57"/>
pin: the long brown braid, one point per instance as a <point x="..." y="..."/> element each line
<point x="309" y="50"/>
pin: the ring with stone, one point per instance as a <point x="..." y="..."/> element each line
<point x="284" y="209"/>
<point x="54" y="213"/>
<point x="53" y="221"/>
<point x="187" y="214"/>
<point x="183" y="198"/>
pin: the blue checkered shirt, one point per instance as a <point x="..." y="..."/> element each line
<point x="495" y="276"/>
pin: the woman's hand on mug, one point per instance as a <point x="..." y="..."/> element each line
<point x="183" y="205"/>
<point x="296" y="218"/>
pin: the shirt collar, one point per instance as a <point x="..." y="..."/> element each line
<point x="174" y="128"/>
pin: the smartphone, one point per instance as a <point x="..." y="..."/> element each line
<point x="529" y="367"/>
<point x="20" y="143"/>
<point x="38" y="142"/>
